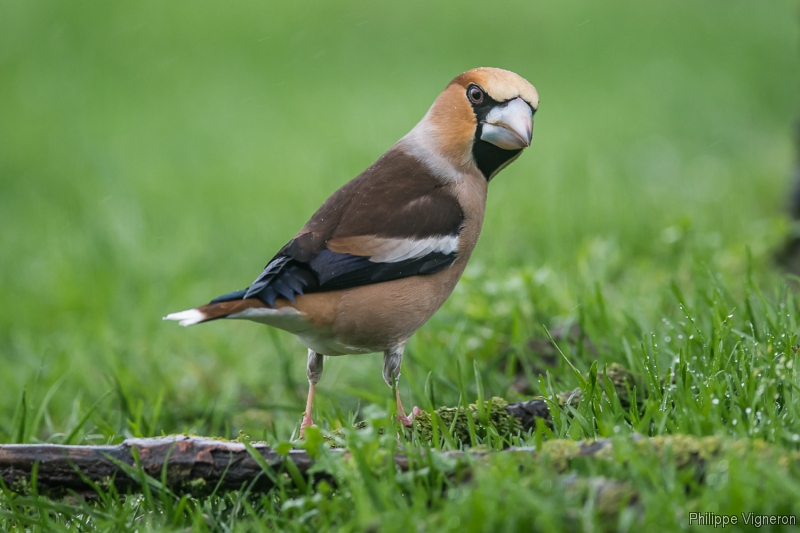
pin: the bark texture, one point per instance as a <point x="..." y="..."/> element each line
<point x="202" y="464"/>
<point x="188" y="459"/>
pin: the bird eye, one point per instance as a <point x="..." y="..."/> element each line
<point x="475" y="94"/>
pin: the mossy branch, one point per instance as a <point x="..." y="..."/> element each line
<point x="511" y="419"/>
<point x="196" y="463"/>
<point x="199" y="465"/>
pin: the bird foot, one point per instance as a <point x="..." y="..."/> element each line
<point x="408" y="421"/>
<point x="307" y="422"/>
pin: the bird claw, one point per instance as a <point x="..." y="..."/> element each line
<point x="307" y="422"/>
<point x="408" y="421"/>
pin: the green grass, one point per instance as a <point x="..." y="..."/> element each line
<point x="154" y="155"/>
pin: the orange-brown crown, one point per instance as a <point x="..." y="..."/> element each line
<point x="501" y="85"/>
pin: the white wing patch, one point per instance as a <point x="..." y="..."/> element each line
<point x="396" y="250"/>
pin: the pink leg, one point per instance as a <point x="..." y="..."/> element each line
<point x="401" y="414"/>
<point x="392" y="359"/>
<point x="307" y="416"/>
<point x="313" y="372"/>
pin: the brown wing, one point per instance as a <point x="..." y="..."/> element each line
<point x="394" y="220"/>
<point x="397" y="197"/>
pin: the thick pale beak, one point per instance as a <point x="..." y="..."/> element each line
<point x="509" y="127"/>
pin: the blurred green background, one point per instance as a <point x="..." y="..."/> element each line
<point x="154" y="155"/>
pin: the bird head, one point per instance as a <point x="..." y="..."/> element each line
<point x="483" y="120"/>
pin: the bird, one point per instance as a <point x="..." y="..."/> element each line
<point x="384" y="252"/>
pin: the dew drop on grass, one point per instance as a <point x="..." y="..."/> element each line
<point x="748" y="410"/>
<point x="795" y="437"/>
<point x="734" y="421"/>
<point x="715" y="401"/>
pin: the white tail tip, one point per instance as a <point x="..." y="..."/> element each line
<point x="186" y="318"/>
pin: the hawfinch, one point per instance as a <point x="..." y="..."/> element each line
<point x="384" y="252"/>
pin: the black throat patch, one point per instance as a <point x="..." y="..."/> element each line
<point x="488" y="157"/>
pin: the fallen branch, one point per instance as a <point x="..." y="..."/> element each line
<point x="189" y="461"/>
<point x="196" y="464"/>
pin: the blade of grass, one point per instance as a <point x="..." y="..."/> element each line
<point x="581" y="379"/>
<point x="84" y="418"/>
<point x="473" y="437"/>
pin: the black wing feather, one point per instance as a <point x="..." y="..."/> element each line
<point x="235" y="295"/>
<point x="329" y="271"/>
<point x="273" y="268"/>
<point x="343" y="271"/>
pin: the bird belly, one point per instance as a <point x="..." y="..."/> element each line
<point x="373" y="318"/>
<point x="326" y="343"/>
<point x="386" y="314"/>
